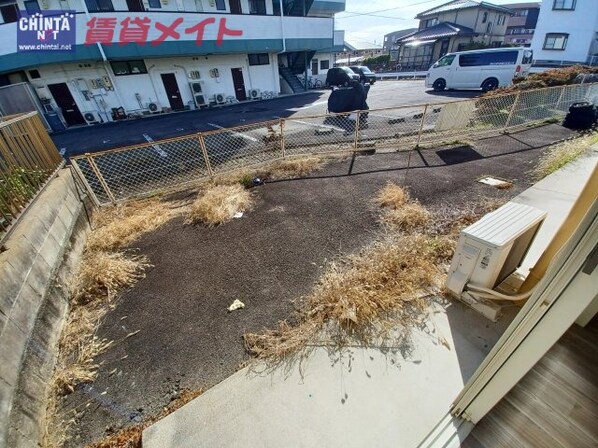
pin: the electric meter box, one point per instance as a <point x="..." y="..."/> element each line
<point x="491" y="249"/>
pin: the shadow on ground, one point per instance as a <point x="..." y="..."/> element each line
<point x="268" y="258"/>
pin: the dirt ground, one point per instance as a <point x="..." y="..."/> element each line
<point x="272" y="255"/>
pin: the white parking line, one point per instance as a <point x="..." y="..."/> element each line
<point x="317" y="103"/>
<point x="238" y="134"/>
<point x="313" y="124"/>
<point x="157" y="147"/>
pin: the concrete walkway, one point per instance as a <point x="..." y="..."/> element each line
<point x="362" y="397"/>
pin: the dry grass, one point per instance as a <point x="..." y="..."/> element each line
<point x="297" y="167"/>
<point x="561" y="154"/>
<point x="407" y="218"/>
<point x="121" y="225"/>
<point x="103" y="274"/>
<point x="130" y="437"/>
<point x="218" y="204"/>
<point x="392" y="196"/>
<point x="364" y="299"/>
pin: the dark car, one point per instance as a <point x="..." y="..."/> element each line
<point x="365" y="74"/>
<point x="340" y="76"/>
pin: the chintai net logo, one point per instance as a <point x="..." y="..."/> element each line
<point x="47" y="31"/>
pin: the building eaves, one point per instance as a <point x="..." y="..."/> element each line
<point x="462" y="4"/>
<point x="444" y="29"/>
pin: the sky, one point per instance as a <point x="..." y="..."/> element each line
<point x="366" y="22"/>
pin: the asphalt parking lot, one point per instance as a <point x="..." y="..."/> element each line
<point x="383" y="94"/>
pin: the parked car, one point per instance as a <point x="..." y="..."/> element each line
<point x="365" y="74"/>
<point x="340" y="76"/>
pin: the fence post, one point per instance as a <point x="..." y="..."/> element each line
<point x="357" y="130"/>
<point x="513" y="107"/>
<point x="421" y="126"/>
<point x="95" y="169"/>
<point x="282" y="137"/>
<point x="204" y="151"/>
<point x="558" y="102"/>
<point x="79" y="174"/>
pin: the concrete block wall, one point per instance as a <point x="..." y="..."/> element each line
<point x="39" y="258"/>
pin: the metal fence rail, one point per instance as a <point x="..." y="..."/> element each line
<point x="123" y="173"/>
<point x="28" y="159"/>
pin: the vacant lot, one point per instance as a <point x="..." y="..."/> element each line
<point x="267" y="258"/>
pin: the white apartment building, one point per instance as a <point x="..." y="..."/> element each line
<point x="566" y="33"/>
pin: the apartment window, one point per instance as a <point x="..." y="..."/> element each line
<point x="155" y="4"/>
<point x="259" y="59"/>
<point x="220" y="5"/>
<point x="568" y="5"/>
<point x="324" y="65"/>
<point x="9" y="13"/>
<point x="521" y="13"/>
<point x="31" y="6"/>
<point x="257" y="7"/>
<point x="121" y="68"/>
<point x="99" y="5"/>
<point x="489" y="27"/>
<point x="556" y="41"/>
<point x="485" y="17"/>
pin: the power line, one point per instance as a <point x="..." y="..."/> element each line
<point x="355" y="13"/>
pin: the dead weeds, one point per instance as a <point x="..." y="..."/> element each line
<point x="392" y="196"/>
<point x="563" y="153"/>
<point x="121" y="225"/>
<point x="218" y="204"/>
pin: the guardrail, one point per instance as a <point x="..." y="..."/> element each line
<point x="28" y="159"/>
<point x="122" y="173"/>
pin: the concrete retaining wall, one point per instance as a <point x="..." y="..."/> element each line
<point x="34" y="269"/>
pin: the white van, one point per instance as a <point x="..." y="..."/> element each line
<point x="479" y="69"/>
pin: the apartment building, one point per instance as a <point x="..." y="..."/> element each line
<point x="522" y="24"/>
<point x="566" y="33"/>
<point x="127" y="57"/>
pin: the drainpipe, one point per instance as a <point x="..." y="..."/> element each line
<point x="105" y="61"/>
<point x="149" y="73"/>
<point x="284" y="43"/>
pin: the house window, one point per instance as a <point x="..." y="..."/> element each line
<point x="99" y="5"/>
<point x="521" y="13"/>
<point x="489" y="27"/>
<point x="431" y="22"/>
<point x="485" y="17"/>
<point x="121" y="68"/>
<point x="556" y="41"/>
<point x="31" y="6"/>
<point x="568" y="5"/>
<point x="259" y="59"/>
<point x="220" y="5"/>
<point x="324" y="65"/>
<point x="155" y="4"/>
<point x="257" y="7"/>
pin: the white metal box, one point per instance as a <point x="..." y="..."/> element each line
<point x="491" y="249"/>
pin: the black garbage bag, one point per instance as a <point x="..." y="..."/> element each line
<point x="581" y="115"/>
<point x="341" y="100"/>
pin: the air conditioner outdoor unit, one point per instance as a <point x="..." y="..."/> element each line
<point x="200" y="100"/>
<point x="196" y="87"/>
<point x="91" y="117"/>
<point x="255" y="94"/>
<point x="220" y="98"/>
<point x="153" y="108"/>
<point x="489" y="251"/>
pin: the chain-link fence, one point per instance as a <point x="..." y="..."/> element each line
<point x="119" y="174"/>
<point x="28" y="159"/>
